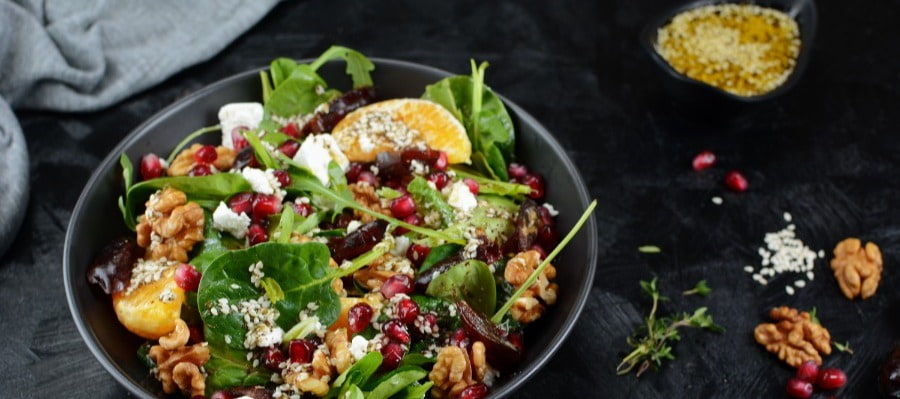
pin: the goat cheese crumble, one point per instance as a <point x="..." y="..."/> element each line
<point x="461" y="197"/>
<point x="316" y="152"/>
<point x="235" y="115"/>
<point x="224" y="219"/>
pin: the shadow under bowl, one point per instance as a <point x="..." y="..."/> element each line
<point x="96" y="219"/>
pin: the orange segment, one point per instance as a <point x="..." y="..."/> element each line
<point x="393" y="125"/>
<point x="144" y="313"/>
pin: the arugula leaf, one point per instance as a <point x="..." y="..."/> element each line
<point x="431" y="199"/>
<point x="266" y="86"/>
<point x="285" y="226"/>
<point x="212" y="246"/>
<point x="470" y="281"/>
<point x="358" y="66"/>
<point x="484" y="116"/>
<point x="262" y="154"/>
<point x="492" y="186"/>
<point x="299" y="94"/>
<point x="281" y="69"/>
<point x="207" y="191"/>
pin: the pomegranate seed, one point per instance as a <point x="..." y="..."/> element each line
<point x="516" y="339"/>
<point x="368" y="177"/>
<point x="516" y="171"/>
<point x="477" y="391"/>
<point x="459" y="338"/>
<point x="403" y="206"/>
<point x="808" y="371"/>
<point x="265" y="205"/>
<point x="413" y="219"/>
<point x="284" y="179"/>
<point x="440" y="179"/>
<point x="257" y="234"/>
<point x="472" y="184"/>
<point x="547" y="237"/>
<point x="221" y="395"/>
<point x="289" y="148"/>
<point x="703" y="160"/>
<point x="831" y="378"/>
<point x="353" y="172"/>
<point x="735" y="181"/>
<point x="540" y="250"/>
<point x="430" y="320"/>
<point x="397" y="284"/>
<point x="291" y="130"/>
<point x="238" y="140"/>
<point x="302" y="209"/>
<point x="302" y="350"/>
<point x="407" y="311"/>
<point x="417" y="254"/>
<point x="206" y="154"/>
<point x="392" y="353"/>
<point x="425" y="155"/>
<point x="359" y="316"/>
<point x="200" y="169"/>
<point x="272" y="357"/>
<point x="441" y="162"/>
<point x="151" y="167"/>
<point x="241" y="203"/>
<point x="197" y="335"/>
<point x="187" y="277"/>
<point x="799" y="389"/>
<point x="395" y="330"/>
<point x="536" y="183"/>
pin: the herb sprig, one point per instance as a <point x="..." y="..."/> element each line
<point x="652" y="342"/>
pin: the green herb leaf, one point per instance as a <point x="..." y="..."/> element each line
<point x="438" y="254"/>
<point x="492" y="186"/>
<point x="272" y="289"/>
<point x="845" y="347"/>
<point x="299" y="94"/>
<point x="358" y="66"/>
<point x="430" y="198"/>
<point x="649" y="249"/>
<point x="285" y="226"/>
<point x="388" y="193"/>
<point x="262" y="154"/>
<point x="814" y="316"/>
<point x="127" y="177"/>
<point x="701" y="289"/>
<point x="470" y="281"/>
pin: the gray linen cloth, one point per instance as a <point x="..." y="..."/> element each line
<point x="83" y="55"/>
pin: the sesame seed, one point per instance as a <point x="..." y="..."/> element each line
<point x="716" y="200"/>
<point x="748" y="269"/>
<point x="789" y="290"/>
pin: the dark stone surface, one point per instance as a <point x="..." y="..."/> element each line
<point x="827" y="152"/>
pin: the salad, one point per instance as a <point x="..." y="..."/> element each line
<point x="335" y="244"/>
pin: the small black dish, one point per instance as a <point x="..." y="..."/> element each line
<point x="96" y="220"/>
<point x="694" y="92"/>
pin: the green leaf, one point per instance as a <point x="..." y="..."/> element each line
<point x="358" y="66"/>
<point x="396" y="381"/>
<point x="212" y="246"/>
<point x="470" y="281"/>
<point x="301" y="330"/>
<point x="649" y="249"/>
<point x="188" y="139"/>
<point x="356" y="375"/>
<point x="304" y="225"/>
<point x="438" y="254"/>
<point x="127" y="177"/>
<point x="814" y="316"/>
<point x="415" y="391"/>
<point x="441" y="309"/>
<point x="281" y="69"/>
<point x="143" y="354"/>
<point x="492" y="186"/>
<point x="388" y="193"/>
<point x="416" y="359"/>
<point x="226" y="372"/>
<point x="353" y="392"/>
<point x="272" y="289"/>
<point x="266" y="86"/>
<point x="262" y="154"/>
<point x="299" y="94"/>
<point x="285" y="226"/>
<point x="207" y="191"/>
<point x="301" y="270"/>
<point x="843" y="347"/>
<point x="430" y="198"/>
<point x="701" y="289"/>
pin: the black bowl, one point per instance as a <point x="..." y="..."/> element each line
<point x="96" y="219"/>
<point x="695" y="92"/>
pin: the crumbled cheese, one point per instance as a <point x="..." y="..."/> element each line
<point x="316" y="152"/>
<point x="365" y="143"/>
<point x="417" y="167"/>
<point x="358" y="347"/>
<point x="262" y="181"/>
<point x="461" y="198"/>
<point x="147" y="271"/>
<point x="401" y="245"/>
<point x="224" y="219"/>
<point x="235" y="115"/>
<point x="353" y="225"/>
<point x="553" y="212"/>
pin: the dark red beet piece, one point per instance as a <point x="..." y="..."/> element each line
<point x="357" y="242"/>
<point x="500" y="352"/>
<point x="111" y="270"/>
<point x="338" y="109"/>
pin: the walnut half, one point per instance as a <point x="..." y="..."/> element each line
<point x="857" y="268"/>
<point x="455" y="370"/>
<point x="528" y="308"/>
<point x="794" y="337"/>
<point x="170" y="226"/>
<point x="178" y="365"/>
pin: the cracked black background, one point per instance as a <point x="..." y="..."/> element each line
<point x="828" y="151"/>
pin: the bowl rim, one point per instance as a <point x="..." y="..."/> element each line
<point x="806" y="7"/>
<point x="517" y="380"/>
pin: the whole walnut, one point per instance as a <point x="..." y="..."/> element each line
<point x="185" y="161"/>
<point x="857" y="268"/>
<point x="794" y="336"/>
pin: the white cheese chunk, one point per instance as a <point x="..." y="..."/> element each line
<point x="358" y="347"/>
<point x="316" y="152"/>
<point x="234" y="115"/>
<point x="259" y="181"/>
<point x="462" y="198"/>
<point x="224" y="219"/>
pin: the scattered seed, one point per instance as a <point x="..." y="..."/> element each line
<point x="789" y="290"/>
<point x="748" y="269"/>
<point x="717" y="200"/>
<point x="649" y="249"/>
<point x="800" y="283"/>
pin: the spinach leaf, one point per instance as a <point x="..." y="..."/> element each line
<point x="438" y="254"/>
<point x="471" y="281"/>
<point x="353" y="392"/>
<point x="266" y="86"/>
<point x="143" y="354"/>
<point x="224" y="372"/>
<point x="356" y="375"/>
<point x="358" y="66"/>
<point x="212" y="246"/>
<point x="394" y="381"/>
<point x="127" y="176"/>
<point x="302" y="273"/>
<point x="494" y="227"/>
<point x="416" y="359"/>
<point x="300" y="93"/>
<point x="431" y="199"/>
<point x="415" y="391"/>
<point x="484" y="116"/>
<point x="207" y="191"/>
<point x="281" y="69"/>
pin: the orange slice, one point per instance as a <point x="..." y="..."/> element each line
<point x="393" y="125"/>
<point x="143" y="310"/>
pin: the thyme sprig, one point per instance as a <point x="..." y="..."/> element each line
<point x="652" y="342"/>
